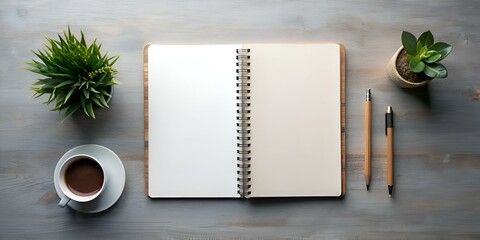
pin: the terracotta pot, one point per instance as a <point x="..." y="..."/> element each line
<point x="397" y="78"/>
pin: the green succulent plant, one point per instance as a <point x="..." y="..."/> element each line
<point x="423" y="55"/>
<point x="77" y="75"/>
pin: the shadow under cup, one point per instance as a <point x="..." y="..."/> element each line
<point x="82" y="179"/>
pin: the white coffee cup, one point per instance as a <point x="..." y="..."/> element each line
<point x="79" y="179"/>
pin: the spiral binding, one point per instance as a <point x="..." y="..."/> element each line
<point x="243" y="122"/>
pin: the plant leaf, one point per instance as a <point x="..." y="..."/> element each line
<point x="90" y="109"/>
<point x="409" y="42"/>
<point x="86" y="93"/>
<point x="93" y="90"/>
<point x="82" y="39"/>
<point x="64" y="83"/>
<point x="435" y="70"/>
<point x="70" y="111"/>
<point x="419" y="47"/>
<point x="115" y="58"/>
<point x="421" y="39"/>
<point x="50" y="98"/>
<point x="69" y="94"/>
<point x="100" y="80"/>
<point x="430" y="53"/>
<point x="102" y="100"/>
<point x="96" y="101"/>
<point x="443" y="48"/>
<point x="37" y="95"/>
<point x="426" y="39"/>
<point x="416" y="66"/>
<point x="433" y="58"/>
<point x="82" y="102"/>
<point x="105" y="93"/>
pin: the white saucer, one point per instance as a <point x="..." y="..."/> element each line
<point x="116" y="182"/>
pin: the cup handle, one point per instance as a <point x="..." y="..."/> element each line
<point x="63" y="202"/>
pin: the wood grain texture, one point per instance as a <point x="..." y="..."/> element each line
<point x="368" y="142"/>
<point x="390" y="171"/>
<point x="437" y="154"/>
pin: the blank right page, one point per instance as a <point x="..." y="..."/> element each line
<point x="295" y="120"/>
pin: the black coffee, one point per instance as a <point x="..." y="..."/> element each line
<point x="84" y="177"/>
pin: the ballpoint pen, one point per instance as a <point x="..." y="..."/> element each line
<point x="389" y="133"/>
<point x="368" y="138"/>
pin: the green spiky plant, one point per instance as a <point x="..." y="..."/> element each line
<point x="424" y="55"/>
<point x="77" y="75"/>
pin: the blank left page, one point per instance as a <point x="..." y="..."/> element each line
<point x="192" y="117"/>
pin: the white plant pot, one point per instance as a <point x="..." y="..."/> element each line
<point x="397" y="78"/>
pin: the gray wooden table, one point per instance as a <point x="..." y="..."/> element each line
<point x="437" y="141"/>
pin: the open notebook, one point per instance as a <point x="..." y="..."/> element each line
<point x="245" y="120"/>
